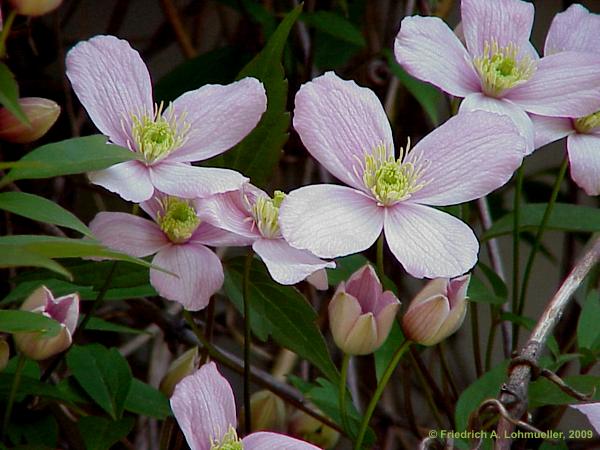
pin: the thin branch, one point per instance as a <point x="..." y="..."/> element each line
<point x="181" y="34"/>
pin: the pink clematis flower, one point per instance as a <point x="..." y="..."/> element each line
<point x="204" y="407"/>
<point x="251" y="213"/>
<point x="345" y="128"/>
<point x="499" y="70"/>
<point x="575" y="29"/>
<point x="113" y="84"/>
<point x="179" y="239"/>
<point x="591" y="411"/>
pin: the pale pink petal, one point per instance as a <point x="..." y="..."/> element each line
<point x="502" y="21"/>
<point x="187" y="181"/>
<point x="365" y="286"/>
<point x="429" y="243"/>
<point x="549" y="129"/>
<point x="288" y="265"/>
<point x="208" y="234"/>
<point x="128" y="233"/>
<point x="478" y="101"/>
<point x="199" y="275"/>
<point x="338" y="122"/>
<point x="265" y="440"/>
<point x="228" y="211"/>
<point x="565" y="84"/>
<point x="430" y="51"/>
<point x="319" y="280"/>
<point x="467" y="157"/>
<point x="204" y="407"/>
<point x="574" y="29"/>
<point x="129" y="179"/>
<point x="584" y="158"/>
<point x="219" y="117"/>
<point x="592" y="412"/>
<point x="330" y="220"/>
<point x="111" y="82"/>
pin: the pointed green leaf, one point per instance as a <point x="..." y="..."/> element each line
<point x="99" y="433"/>
<point x="16" y="321"/>
<point x="9" y="93"/>
<point x="588" y="332"/>
<point x="18" y="256"/>
<point x="147" y="401"/>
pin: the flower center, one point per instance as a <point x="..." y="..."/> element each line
<point x="266" y="214"/>
<point x="178" y="220"/>
<point x="588" y="123"/>
<point x="391" y="180"/>
<point x="229" y="441"/>
<point x="156" y="136"/>
<point x="499" y="68"/>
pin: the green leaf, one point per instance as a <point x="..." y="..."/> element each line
<point x="145" y="400"/>
<point x="18" y="256"/>
<point x="16" y="321"/>
<point x="385" y="353"/>
<point x="99" y="433"/>
<point x="98" y="324"/>
<point x="427" y="95"/>
<point x="565" y="217"/>
<point x="496" y="282"/>
<point x="9" y="93"/>
<point x="336" y="26"/>
<point x="69" y="157"/>
<point x="588" y="331"/>
<point x="41" y="209"/>
<point x="103" y="374"/>
<point x="283" y="312"/>
<point x="258" y="154"/>
<point x="479" y="292"/>
<point x="544" y="392"/>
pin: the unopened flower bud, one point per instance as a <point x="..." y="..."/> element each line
<point x="437" y="311"/>
<point x="35" y="7"/>
<point x="306" y="427"/>
<point x="180" y="368"/>
<point x="361" y="314"/>
<point x="41" y="113"/>
<point x="65" y="310"/>
<point x="268" y="412"/>
<point x="4" y="354"/>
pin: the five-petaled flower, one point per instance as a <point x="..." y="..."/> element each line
<point x="345" y="128"/>
<point x="113" y="84"/>
<point x="499" y="70"/>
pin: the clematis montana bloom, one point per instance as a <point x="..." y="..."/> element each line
<point x="204" y="407"/>
<point x="179" y="239"/>
<point x="113" y="84"/>
<point x="576" y="29"/>
<point x="499" y="70"/>
<point x="591" y="411"/>
<point x="345" y="128"/>
<point x="251" y="213"/>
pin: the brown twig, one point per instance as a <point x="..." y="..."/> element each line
<point x="182" y="36"/>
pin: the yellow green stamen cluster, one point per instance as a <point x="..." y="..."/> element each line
<point x="391" y="180"/>
<point x="156" y="136"/>
<point x="178" y="220"/>
<point x="588" y="123"/>
<point x="266" y="214"/>
<point x="229" y="441"/>
<point x="500" y="68"/>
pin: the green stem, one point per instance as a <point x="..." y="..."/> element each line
<point x="380" y="269"/>
<point x="389" y="370"/>
<point x="427" y="390"/>
<point x="490" y="342"/>
<point x="6" y="31"/>
<point x="476" y="338"/>
<point x="516" y="238"/>
<point x="342" y="393"/>
<point x="538" y="237"/>
<point x="13" y="392"/>
<point x="247" y="343"/>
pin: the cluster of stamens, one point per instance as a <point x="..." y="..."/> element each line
<point x="178" y="220"/>
<point x="265" y="212"/>
<point x="157" y="135"/>
<point x="391" y="180"/>
<point x="500" y="68"/>
<point x="229" y="441"/>
<point x="588" y="123"/>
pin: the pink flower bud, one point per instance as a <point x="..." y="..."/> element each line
<point x="64" y="310"/>
<point x="35" y="7"/>
<point x="180" y="368"/>
<point x="361" y="314"/>
<point x="437" y="311"/>
<point x="41" y="112"/>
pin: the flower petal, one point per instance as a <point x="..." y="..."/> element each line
<point x="592" y="412"/>
<point x="584" y="157"/>
<point x="575" y="29"/>
<point x="467" y="157"/>
<point x="288" y="265"/>
<point x="128" y="233"/>
<point x="428" y="49"/>
<point x="549" y="129"/>
<point x="503" y="21"/>
<point x="199" y="275"/>
<point x="219" y="117"/>
<point x="475" y="102"/>
<point x="130" y="179"/>
<point x="338" y="122"/>
<point x="111" y="82"/>
<point x="265" y="440"/>
<point x="565" y="84"/>
<point x="228" y="211"/>
<point x="207" y="234"/>
<point x="204" y="407"/>
<point x="429" y="243"/>
<point x="330" y="220"/>
<point x="186" y="181"/>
